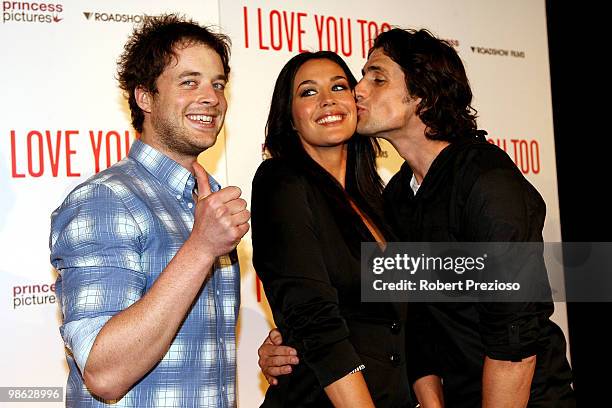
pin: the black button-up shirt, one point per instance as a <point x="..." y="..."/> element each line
<point x="473" y="192"/>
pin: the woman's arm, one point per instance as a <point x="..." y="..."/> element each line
<point x="349" y="391"/>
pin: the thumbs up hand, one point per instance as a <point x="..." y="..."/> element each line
<point x="221" y="218"/>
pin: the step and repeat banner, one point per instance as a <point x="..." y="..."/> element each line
<point x="63" y="118"/>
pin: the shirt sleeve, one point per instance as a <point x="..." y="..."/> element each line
<point x="289" y="261"/>
<point x="504" y="207"/>
<point x="421" y="343"/>
<point x="95" y="247"/>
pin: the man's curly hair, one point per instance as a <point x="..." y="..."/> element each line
<point x="434" y="72"/>
<point x="153" y="45"/>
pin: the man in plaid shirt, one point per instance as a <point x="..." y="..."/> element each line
<point x="148" y="274"/>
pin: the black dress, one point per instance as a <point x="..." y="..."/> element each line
<point x="306" y="250"/>
<point x="473" y="192"/>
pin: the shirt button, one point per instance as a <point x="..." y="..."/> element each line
<point x="190" y="205"/>
<point x="395" y="359"/>
<point x="178" y="197"/>
<point x="220" y="339"/>
<point x="218" y="293"/>
<point x="395" y="327"/>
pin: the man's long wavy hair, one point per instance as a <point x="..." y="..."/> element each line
<point x="152" y="46"/>
<point x="363" y="184"/>
<point x="434" y="72"/>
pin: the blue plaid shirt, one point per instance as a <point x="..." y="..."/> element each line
<point x="110" y="239"/>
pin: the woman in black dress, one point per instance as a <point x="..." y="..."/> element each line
<point x="313" y="203"/>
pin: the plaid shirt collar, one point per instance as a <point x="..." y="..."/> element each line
<point x="169" y="173"/>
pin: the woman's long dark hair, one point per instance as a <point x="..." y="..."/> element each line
<point x="363" y="184"/>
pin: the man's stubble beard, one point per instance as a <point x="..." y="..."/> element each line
<point x="371" y="129"/>
<point x="377" y="127"/>
<point x="174" y="139"/>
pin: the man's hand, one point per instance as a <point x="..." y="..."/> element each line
<point x="274" y="358"/>
<point x="221" y="218"/>
<point x="428" y="391"/>
<point x="507" y="384"/>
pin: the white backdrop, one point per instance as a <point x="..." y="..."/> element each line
<point x="62" y="117"/>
